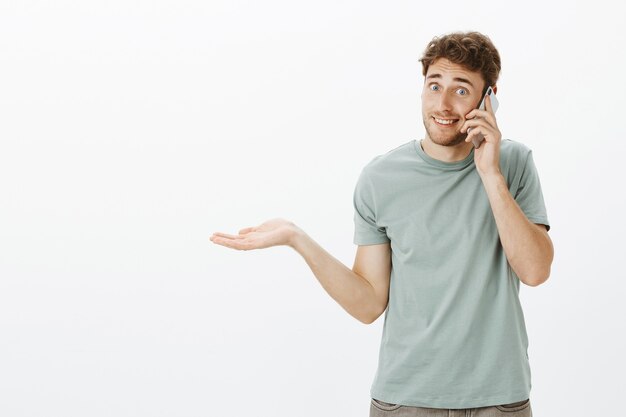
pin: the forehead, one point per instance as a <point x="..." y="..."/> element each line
<point x="444" y="69"/>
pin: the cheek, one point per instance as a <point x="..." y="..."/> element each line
<point x="464" y="110"/>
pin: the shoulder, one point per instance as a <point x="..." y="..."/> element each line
<point x="392" y="159"/>
<point x="513" y="148"/>
<point x="513" y="153"/>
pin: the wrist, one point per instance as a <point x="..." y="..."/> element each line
<point x="492" y="177"/>
<point x="295" y="237"/>
<point x="494" y="182"/>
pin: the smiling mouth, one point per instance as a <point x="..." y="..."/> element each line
<point x="445" y="122"/>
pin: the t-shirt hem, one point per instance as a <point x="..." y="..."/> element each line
<point x="373" y="241"/>
<point x="539" y="220"/>
<point x="456" y="403"/>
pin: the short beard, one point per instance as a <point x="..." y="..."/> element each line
<point x="454" y="141"/>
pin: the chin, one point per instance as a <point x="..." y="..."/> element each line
<point x="453" y="139"/>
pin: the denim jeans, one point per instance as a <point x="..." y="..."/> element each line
<point x="383" y="409"/>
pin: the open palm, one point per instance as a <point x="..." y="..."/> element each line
<point x="273" y="232"/>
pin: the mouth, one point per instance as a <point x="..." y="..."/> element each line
<point x="445" y="122"/>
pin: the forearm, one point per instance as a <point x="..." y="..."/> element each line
<point x="528" y="249"/>
<point x="353" y="292"/>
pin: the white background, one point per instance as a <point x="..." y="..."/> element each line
<point x="130" y="131"/>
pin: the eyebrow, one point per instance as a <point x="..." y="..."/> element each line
<point x="459" y="79"/>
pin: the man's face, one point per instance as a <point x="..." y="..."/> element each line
<point x="450" y="92"/>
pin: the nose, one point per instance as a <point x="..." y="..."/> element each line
<point x="445" y="104"/>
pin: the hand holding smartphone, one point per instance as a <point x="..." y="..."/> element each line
<point x="477" y="140"/>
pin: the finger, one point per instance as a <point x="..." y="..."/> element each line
<point x="475" y="132"/>
<point x="246" y="230"/>
<point x="230" y="243"/>
<point x="226" y="235"/>
<point x="477" y="114"/>
<point x="471" y="124"/>
<point x="488" y="121"/>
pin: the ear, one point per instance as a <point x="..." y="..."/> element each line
<point x="495" y="89"/>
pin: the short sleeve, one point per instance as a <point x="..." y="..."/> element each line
<point x="529" y="195"/>
<point x="366" y="230"/>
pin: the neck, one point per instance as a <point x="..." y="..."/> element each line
<point x="446" y="153"/>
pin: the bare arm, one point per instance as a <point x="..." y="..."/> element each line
<point x="357" y="295"/>
<point x="527" y="245"/>
<point x="363" y="295"/>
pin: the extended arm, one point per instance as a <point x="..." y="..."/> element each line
<point x="362" y="292"/>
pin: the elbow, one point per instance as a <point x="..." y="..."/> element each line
<point x="537" y="279"/>
<point x="372" y="318"/>
<point x="368" y="319"/>
<point x="541" y="272"/>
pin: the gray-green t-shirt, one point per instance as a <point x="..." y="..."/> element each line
<point x="454" y="334"/>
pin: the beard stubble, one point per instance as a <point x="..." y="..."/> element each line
<point x="444" y="139"/>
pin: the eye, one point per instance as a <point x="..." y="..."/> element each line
<point x="462" y="91"/>
<point x="434" y="87"/>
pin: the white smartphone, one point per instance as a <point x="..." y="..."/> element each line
<point x="477" y="140"/>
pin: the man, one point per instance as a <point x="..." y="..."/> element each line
<point x="446" y="232"/>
